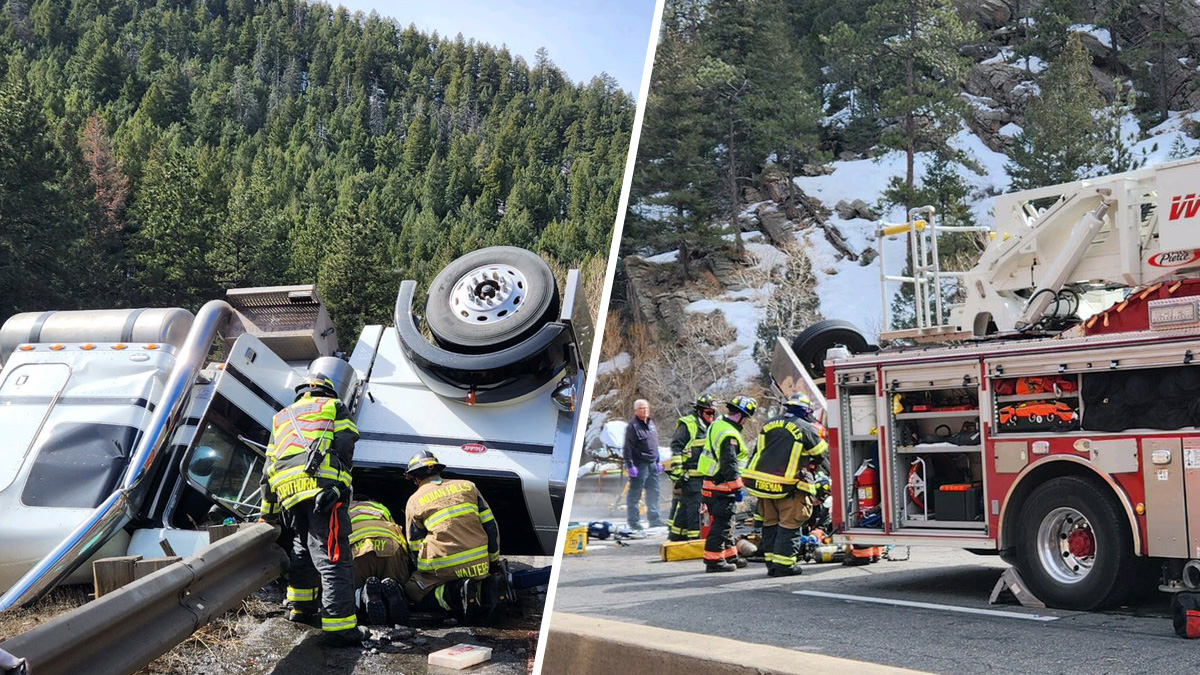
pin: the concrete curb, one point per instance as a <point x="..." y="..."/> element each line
<point x="582" y="645"/>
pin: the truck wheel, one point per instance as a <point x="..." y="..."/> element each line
<point x="1074" y="547"/>
<point x="491" y="299"/>
<point x="813" y="342"/>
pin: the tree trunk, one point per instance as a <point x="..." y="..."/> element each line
<point x="739" y="248"/>
<point x="1162" y="61"/>
<point x="910" y="130"/>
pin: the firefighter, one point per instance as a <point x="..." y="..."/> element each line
<point x="724" y="453"/>
<point x="381" y="565"/>
<point x="686" y="446"/>
<point x="782" y="474"/>
<point x="456" y="542"/>
<point x="307" y="483"/>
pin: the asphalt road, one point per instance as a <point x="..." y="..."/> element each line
<point x="631" y="584"/>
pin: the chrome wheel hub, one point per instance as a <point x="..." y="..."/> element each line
<point x="488" y="294"/>
<point x="1066" y="545"/>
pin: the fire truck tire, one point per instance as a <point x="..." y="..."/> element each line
<point x="491" y="299"/>
<point x="1074" y="551"/>
<point x="813" y="342"/>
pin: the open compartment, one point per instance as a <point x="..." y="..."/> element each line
<point x="858" y="451"/>
<point x="935" y="450"/>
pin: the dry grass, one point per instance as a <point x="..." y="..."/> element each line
<point x="59" y="601"/>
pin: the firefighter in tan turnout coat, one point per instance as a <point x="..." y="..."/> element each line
<point x="455" y="542"/>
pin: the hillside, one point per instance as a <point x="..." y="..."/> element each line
<point x="806" y="210"/>
<point x="159" y="152"/>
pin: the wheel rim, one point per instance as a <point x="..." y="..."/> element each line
<point x="1066" y="545"/>
<point x="488" y="294"/>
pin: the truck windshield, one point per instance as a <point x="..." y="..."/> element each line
<point x="226" y="469"/>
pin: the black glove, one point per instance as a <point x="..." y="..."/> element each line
<point x="326" y="498"/>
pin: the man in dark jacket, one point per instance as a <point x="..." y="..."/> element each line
<point x="641" y="461"/>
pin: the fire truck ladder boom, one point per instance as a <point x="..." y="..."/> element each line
<point x="1091" y="239"/>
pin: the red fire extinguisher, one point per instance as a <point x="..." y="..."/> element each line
<point x="866" y="487"/>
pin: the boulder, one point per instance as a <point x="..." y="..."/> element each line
<point x="989" y="14"/>
<point x="987" y="122"/>
<point x="775" y="186"/>
<point x="1097" y="49"/>
<point x="1104" y="84"/>
<point x="997" y="82"/>
<point x="640" y="287"/>
<point x="815" y="170"/>
<point x="855" y="209"/>
<point x="869" y="254"/>
<point x="774" y="224"/>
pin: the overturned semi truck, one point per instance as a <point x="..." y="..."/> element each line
<point x="124" y="435"/>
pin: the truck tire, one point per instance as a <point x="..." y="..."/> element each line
<point x="491" y="299"/>
<point x="813" y="342"/>
<point x="1074" y="549"/>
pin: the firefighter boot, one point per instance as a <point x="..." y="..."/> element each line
<point x="374" y="606"/>
<point x="738" y="561"/>
<point x="351" y="637"/>
<point x="774" y="570"/>
<point x="396" y="601"/>
<point x="308" y="618"/>
<point x="719" y="566"/>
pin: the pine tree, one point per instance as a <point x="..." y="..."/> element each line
<point x="1062" y="139"/>
<point x="671" y="201"/>
<point x="35" y="223"/>
<point x="173" y="229"/>
<point x="904" y="63"/>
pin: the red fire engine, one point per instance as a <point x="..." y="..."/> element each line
<point x="1051" y="412"/>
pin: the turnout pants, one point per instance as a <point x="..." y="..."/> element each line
<point x="719" y="543"/>
<point x="782" y="520"/>
<point x="322" y="564"/>
<point x="684" y="523"/>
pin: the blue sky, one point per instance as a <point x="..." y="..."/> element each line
<point x="584" y="37"/>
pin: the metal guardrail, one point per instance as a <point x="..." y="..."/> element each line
<point x="127" y="629"/>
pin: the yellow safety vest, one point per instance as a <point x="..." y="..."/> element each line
<point x="287" y="453"/>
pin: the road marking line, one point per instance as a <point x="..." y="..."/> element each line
<point x="930" y="605"/>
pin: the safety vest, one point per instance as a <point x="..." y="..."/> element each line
<point x="446" y="525"/>
<point x="373" y="530"/>
<point x="287" y="453"/>
<point x="718" y="432"/>
<point x="684" y="464"/>
<point x="777" y="467"/>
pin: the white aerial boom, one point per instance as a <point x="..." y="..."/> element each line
<point x="1060" y="252"/>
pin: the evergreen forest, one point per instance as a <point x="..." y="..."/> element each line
<point x="158" y="152"/>
<point x="748" y="95"/>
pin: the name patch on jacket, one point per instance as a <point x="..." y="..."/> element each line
<point x="443" y="492"/>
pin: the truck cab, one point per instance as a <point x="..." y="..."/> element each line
<point x="131" y="436"/>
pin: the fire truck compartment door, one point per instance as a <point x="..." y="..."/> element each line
<point x="1166" y="514"/>
<point x="1191" y="485"/>
<point x="925" y="377"/>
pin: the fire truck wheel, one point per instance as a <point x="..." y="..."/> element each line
<point x="813" y="342"/>
<point x="1074" y="548"/>
<point x="491" y="299"/>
